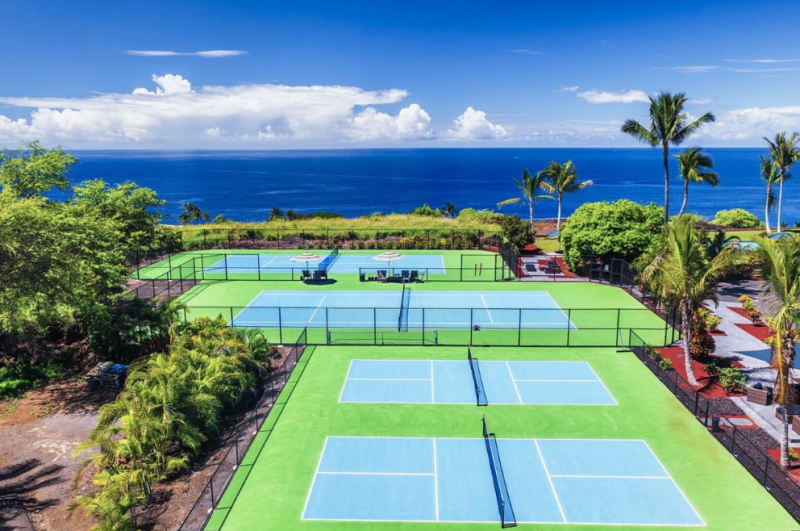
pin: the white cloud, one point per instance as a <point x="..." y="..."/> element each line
<point x="473" y="125"/>
<point x="630" y="96"/>
<point x="572" y="88"/>
<point x="751" y="124"/>
<point x="700" y="101"/>
<point x="214" y="54"/>
<point x="167" y="84"/>
<point x="175" y="114"/>
<point x="705" y="69"/>
<point x="762" y="61"/>
<point x="411" y="123"/>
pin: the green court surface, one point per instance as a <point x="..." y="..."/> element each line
<point x="271" y="487"/>
<point x="602" y="315"/>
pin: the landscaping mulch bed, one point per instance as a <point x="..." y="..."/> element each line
<point x="711" y="387"/>
<point x="759" y="331"/>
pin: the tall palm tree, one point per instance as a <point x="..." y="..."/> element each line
<point x="695" y="166"/>
<point x="780" y="299"/>
<point x="669" y="126"/>
<point x="784" y="154"/>
<point x="681" y="271"/>
<point x="450" y="210"/>
<point x="769" y="172"/>
<point x="561" y="179"/>
<point x="530" y="186"/>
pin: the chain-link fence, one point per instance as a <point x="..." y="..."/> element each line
<point x="735" y="440"/>
<point x="242" y="453"/>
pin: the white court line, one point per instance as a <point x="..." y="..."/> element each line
<point x="550" y="480"/>
<point x="390" y="379"/>
<point x="243" y="309"/>
<point x="606" y="477"/>
<point x="268" y="263"/>
<point x="346" y="378"/>
<point x="435" y="481"/>
<point x="603" y="384"/>
<point x="511" y="374"/>
<point x="318" y="307"/>
<point x="673" y="481"/>
<point x="488" y="312"/>
<point x="526" y="380"/>
<point x="570" y="324"/>
<point x="375" y="474"/>
<point x="316" y="473"/>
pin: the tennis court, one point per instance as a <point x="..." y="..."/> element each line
<point x="403" y="309"/>
<point x="471" y="381"/>
<point x="495" y="480"/>
<point x="333" y="263"/>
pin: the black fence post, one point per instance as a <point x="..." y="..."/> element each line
<point x="225" y="258"/>
<point x="230" y="245"/>
<point x="327" y="237"/>
<point x="569" y="323"/>
<point x="303" y="235"/>
<point x="428" y="237"/>
<point x="470" y="326"/>
<point x="519" y="328"/>
<point x="232" y="325"/>
<point x="205" y="246"/>
<point x="453" y="242"/>
<point x="616" y="339"/>
<point x="280" y="326"/>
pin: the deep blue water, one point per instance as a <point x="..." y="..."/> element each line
<point x="245" y="185"/>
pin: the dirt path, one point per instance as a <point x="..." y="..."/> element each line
<point x="38" y="434"/>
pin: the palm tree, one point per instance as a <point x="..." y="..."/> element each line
<point x="530" y="185"/>
<point x="695" y="166"/>
<point x="769" y="172"/>
<point x="784" y="154"/>
<point x="450" y="210"/>
<point x="780" y="299"/>
<point x="561" y="179"/>
<point x="669" y="126"/>
<point x="681" y="271"/>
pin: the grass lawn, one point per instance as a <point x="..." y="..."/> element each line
<point x="271" y="487"/>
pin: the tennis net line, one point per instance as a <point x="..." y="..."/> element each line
<point x="480" y="392"/>
<point x="402" y="318"/>
<point x="507" y="518"/>
<point x="330" y="259"/>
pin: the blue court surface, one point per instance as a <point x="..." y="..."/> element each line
<point x="382" y="309"/>
<point x="343" y="263"/>
<point x="556" y="481"/>
<point x="452" y="382"/>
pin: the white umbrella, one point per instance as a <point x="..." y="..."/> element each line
<point x="306" y="257"/>
<point x="388" y="256"/>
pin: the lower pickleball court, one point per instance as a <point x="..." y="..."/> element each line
<point x="610" y="482"/>
<point x="455" y="382"/>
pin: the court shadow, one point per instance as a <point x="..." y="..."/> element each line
<point x="328" y="282"/>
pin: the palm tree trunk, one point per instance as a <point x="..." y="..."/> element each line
<point x="685" y="196"/>
<point x="780" y="204"/>
<point x="784" y="439"/>
<point x="766" y="207"/>
<point x="530" y="206"/>
<point x="666" y="186"/>
<point x="687" y="354"/>
<point x="558" y="219"/>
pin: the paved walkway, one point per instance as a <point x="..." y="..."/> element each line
<point x="754" y="355"/>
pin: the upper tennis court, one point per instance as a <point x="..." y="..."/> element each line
<point x="332" y="263"/>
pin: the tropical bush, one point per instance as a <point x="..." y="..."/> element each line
<point x="732" y="380"/>
<point x="172" y="404"/>
<point x="736" y="218"/>
<point x="622" y="229"/>
<point x="665" y="364"/>
<point x="425" y="210"/>
<point x="517" y="232"/>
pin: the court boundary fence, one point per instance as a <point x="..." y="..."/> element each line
<point x="232" y="460"/>
<point x="375" y="333"/>
<point x="747" y="451"/>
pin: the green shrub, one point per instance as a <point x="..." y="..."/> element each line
<point x="517" y="231"/>
<point x="711" y="368"/>
<point x="732" y="380"/>
<point x="622" y="229"/>
<point x="712" y="321"/>
<point x="19" y="377"/>
<point x="736" y="218"/>
<point x="665" y="364"/>
<point x="425" y="210"/>
<point x="482" y="216"/>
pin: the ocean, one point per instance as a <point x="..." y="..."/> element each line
<point x="246" y="185"/>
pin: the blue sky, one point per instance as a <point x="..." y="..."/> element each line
<point x="276" y="75"/>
